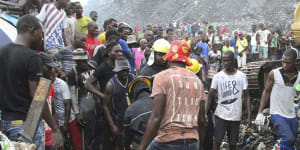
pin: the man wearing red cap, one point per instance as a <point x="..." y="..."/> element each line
<point x="178" y="109"/>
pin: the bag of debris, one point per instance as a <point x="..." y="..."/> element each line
<point x="6" y="144"/>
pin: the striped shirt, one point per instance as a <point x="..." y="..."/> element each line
<point x="65" y="56"/>
<point x="54" y="21"/>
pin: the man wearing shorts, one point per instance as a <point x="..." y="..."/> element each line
<point x="263" y="38"/>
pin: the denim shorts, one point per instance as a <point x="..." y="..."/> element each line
<point x="184" y="144"/>
<point x="254" y="50"/>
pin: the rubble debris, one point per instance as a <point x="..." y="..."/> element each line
<point x="6" y="144"/>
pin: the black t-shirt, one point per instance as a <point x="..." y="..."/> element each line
<point x="103" y="74"/>
<point x="18" y="64"/>
<point x="100" y="56"/>
<point x="82" y="77"/>
<point x="137" y="116"/>
<point x="150" y="70"/>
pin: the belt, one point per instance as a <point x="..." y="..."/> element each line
<point x="183" y="141"/>
<point x="229" y="101"/>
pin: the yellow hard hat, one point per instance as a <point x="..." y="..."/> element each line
<point x="162" y="46"/>
<point x="195" y="67"/>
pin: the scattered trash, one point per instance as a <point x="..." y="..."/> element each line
<point x="6" y="144"/>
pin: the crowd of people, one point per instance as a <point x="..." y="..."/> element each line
<point x="128" y="89"/>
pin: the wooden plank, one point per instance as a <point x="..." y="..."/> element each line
<point x="34" y="114"/>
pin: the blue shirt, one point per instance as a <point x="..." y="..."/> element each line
<point x="126" y="50"/>
<point x="132" y="62"/>
<point x="124" y="46"/>
<point x="204" y="52"/>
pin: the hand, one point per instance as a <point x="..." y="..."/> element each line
<point x="115" y="130"/>
<point x="259" y="119"/>
<point x="79" y="120"/>
<point x="241" y="54"/>
<point x="65" y="128"/>
<point x="140" y="148"/>
<point x="58" y="138"/>
<point x="206" y="121"/>
<point x="249" y="123"/>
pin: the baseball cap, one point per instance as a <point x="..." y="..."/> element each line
<point x="47" y="59"/>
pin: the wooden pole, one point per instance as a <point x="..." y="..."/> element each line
<point x="34" y="114"/>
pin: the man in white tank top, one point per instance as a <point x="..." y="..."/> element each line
<point x="280" y="88"/>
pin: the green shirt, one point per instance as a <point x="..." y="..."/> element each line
<point x="82" y="24"/>
<point x="225" y="48"/>
<point x="274" y="40"/>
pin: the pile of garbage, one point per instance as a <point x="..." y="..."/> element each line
<point x="6" y="144"/>
<point x="263" y="136"/>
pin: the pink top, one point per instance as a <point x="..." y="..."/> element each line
<point x="138" y="56"/>
<point x="184" y="92"/>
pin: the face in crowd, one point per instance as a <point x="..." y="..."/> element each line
<point x="93" y="29"/>
<point x="49" y="72"/>
<point x="236" y="34"/>
<point x="124" y="32"/>
<point x="78" y="10"/>
<point x="159" y="60"/>
<point x="112" y="26"/>
<point x="123" y="75"/>
<point x="228" y="60"/>
<point x="215" y="47"/>
<point x="143" y="43"/>
<point x="37" y="37"/>
<point x="79" y="40"/>
<point x="82" y="65"/>
<point x="154" y="29"/>
<point x="115" y="53"/>
<point x="94" y="16"/>
<point x="227" y="43"/>
<point x="148" y="37"/>
<point x="198" y="51"/>
<point x="69" y="9"/>
<point x="288" y="63"/>
<point x="160" y="31"/>
<point x="149" y="27"/>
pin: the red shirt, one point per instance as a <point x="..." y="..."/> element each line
<point x="90" y="44"/>
<point x="48" y="134"/>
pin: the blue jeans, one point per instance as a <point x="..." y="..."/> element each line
<point x="181" y="145"/>
<point x="12" y="132"/>
<point x="287" y="129"/>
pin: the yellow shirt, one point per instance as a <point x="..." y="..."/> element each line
<point x="189" y="41"/>
<point x="101" y="38"/>
<point x="241" y="45"/>
<point x="82" y="24"/>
